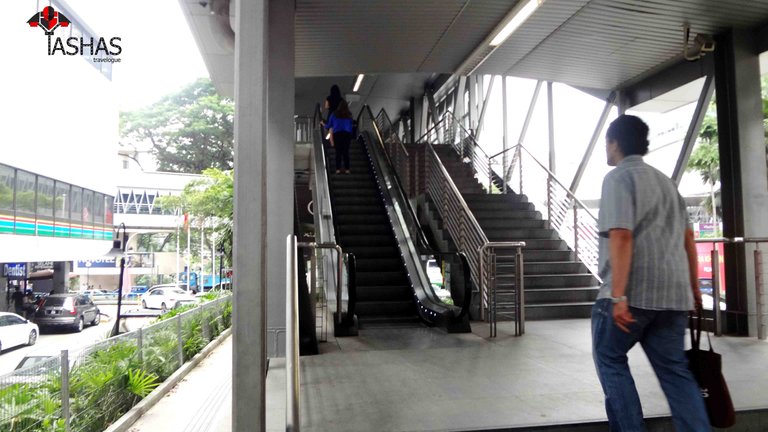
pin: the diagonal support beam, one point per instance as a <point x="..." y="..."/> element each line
<point x="481" y="120"/>
<point x="693" y="129"/>
<point x="529" y="115"/>
<point x="609" y="102"/>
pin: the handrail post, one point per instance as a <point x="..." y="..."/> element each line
<point x="520" y="161"/>
<point x="759" y="292"/>
<point x="576" y="231"/>
<point x="716" y="289"/>
<point x="520" y="288"/>
<point x="549" y="197"/>
<point x="292" y="339"/>
<point x="490" y="177"/>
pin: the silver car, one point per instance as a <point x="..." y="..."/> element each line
<point x="67" y="310"/>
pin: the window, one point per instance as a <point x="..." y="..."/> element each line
<point x="45" y="197"/>
<point x="14" y="320"/>
<point x="7" y="185"/>
<point x="25" y="193"/>
<point x="60" y="208"/>
<point x="3" y="321"/>
<point x="76" y="204"/>
<point x="109" y="203"/>
<point x="156" y="292"/>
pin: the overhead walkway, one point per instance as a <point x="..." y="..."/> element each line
<point x="391" y="380"/>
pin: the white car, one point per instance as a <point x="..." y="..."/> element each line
<point x="166" y="297"/>
<point x="15" y="331"/>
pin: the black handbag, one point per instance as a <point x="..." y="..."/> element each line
<point x="706" y="367"/>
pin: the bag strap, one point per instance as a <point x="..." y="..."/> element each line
<point x="695" y="330"/>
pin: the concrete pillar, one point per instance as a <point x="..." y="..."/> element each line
<point x="61" y="270"/>
<point x="743" y="173"/>
<point x="250" y="214"/>
<point x="280" y="149"/>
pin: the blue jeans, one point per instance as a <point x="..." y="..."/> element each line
<point x="661" y="334"/>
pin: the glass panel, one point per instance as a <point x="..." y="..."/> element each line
<point x="25" y="203"/>
<point x="76" y="211"/>
<point x="61" y="210"/>
<point x="44" y="206"/>
<point x="7" y="185"/>
<point x="87" y="213"/>
<point x="98" y="217"/>
<point x="109" y="203"/>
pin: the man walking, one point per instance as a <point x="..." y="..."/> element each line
<point x="649" y="271"/>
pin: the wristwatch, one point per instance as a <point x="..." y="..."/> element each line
<point x="620" y="299"/>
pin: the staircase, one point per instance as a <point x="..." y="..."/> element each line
<point x="557" y="286"/>
<point x="384" y="293"/>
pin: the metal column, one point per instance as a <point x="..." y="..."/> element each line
<point x="505" y="123"/>
<point x="551" y="119"/>
<point x="593" y="142"/>
<point x="693" y="129"/>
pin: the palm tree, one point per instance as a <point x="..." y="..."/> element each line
<point x="705" y="160"/>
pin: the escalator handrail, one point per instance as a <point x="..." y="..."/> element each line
<point x="423" y="244"/>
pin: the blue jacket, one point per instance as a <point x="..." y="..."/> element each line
<point x="339" y="124"/>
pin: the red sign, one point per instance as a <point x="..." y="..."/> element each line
<point x="704" y="252"/>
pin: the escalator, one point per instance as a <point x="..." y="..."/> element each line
<point x="384" y="292"/>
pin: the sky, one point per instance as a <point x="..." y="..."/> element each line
<point x="159" y="52"/>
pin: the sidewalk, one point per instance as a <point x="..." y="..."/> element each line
<point x="201" y="402"/>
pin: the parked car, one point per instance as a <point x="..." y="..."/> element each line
<point x="166" y="297"/>
<point x="67" y="310"/>
<point x="39" y="357"/>
<point x="95" y="294"/>
<point x="15" y="331"/>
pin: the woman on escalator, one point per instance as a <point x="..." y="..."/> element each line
<point x="340" y="128"/>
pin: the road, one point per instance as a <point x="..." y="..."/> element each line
<point x="63" y="339"/>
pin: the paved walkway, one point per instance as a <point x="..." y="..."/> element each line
<point x="422" y="379"/>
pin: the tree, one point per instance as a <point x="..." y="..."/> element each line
<point x="705" y="160"/>
<point x="209" y="200"/>
<point x="189" y="130"/>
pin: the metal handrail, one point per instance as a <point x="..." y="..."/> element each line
<point x="292" y="422"/>
<point x="519" y="285"/>
<point x="759" y="289"/>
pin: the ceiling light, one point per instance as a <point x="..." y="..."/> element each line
<point x="358" y="82"/>
<point x="516" y="19"/>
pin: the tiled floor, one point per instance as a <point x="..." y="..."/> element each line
<point x="422" y="379"/>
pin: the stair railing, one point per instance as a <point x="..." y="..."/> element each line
<point x="470" y="239"/>
<point x="331" y="254"/>
<point x="394" y="147"/>
<point x="573" y="221"/>
<point x="449" y="130"/>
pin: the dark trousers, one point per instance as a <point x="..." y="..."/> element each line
<point x="341" y="141"/>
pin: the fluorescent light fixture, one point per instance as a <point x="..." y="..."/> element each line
<point x="518" y="17"/>
<point x="358" y="82"/>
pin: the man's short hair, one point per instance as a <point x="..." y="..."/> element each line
<point x="631" y="134"/>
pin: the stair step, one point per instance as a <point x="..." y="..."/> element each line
<point x="550" y="281"/>
<point x="499" y="205"/>
<point x="483" y="214"/>
<point x="561" y="295"/>
<point x="544" y="268"/>
<point x="484" y="198"/>
<point x="497" y="234"/>
<point x="507" y="223"/>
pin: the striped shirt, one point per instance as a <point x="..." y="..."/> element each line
<point x="640" y="198"/>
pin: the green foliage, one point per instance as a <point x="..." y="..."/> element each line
<point x="210" y="198"/>
<point x="141" y="383"/>
<point x="190" y="130"/>
<point x="175" y="311"/>
<point x="107" y="382"/>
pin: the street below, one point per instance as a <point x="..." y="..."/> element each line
<point x="59" y="339"/>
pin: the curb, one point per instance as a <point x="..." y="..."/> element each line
<point x="128" y="419"/>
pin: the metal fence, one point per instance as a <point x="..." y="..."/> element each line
<point x="105" y="380"/>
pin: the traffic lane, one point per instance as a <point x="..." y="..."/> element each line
<point x="60" y="339"/>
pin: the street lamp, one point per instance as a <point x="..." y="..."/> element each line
<point x="118" y="249"/>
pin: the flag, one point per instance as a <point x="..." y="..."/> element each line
<point x="186" y="220"/>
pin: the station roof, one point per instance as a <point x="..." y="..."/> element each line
<point x="597" y="44"/>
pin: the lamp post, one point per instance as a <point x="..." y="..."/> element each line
<point x="118" y="249"/>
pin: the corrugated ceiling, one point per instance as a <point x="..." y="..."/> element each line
<point x="598" y="44"/>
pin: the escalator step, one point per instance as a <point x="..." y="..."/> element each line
<point x="383" y="264"/>
<point x="354" y="219"/>
<point x="373" y="252"/>
<point x="364" y="229"/>
<point x="381" y="278"/>
<point x="392" y="308"/>
<point x="358" y="209"/>
<point x="367" y="240"/>
<point x="357" y="200"/>
<point x="384" y="293"/>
